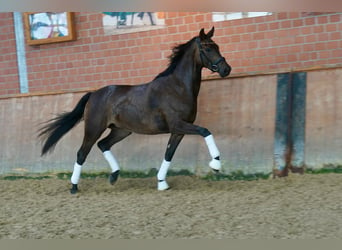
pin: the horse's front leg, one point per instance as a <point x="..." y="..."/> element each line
<point x="172" y="145"/>
<point x="189" y="128"/>
<point x="215" y="163"/>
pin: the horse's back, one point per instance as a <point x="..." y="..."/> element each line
<point x="124" y="106"/>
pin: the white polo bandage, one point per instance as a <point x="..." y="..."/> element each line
<point x="162" y="185"/>
<point x="76" y="174"/>
<point x="213" y="150"/>
<point x="111" y="160"/>
<point x="163" y="170"/>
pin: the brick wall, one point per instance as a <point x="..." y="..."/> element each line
<point x="9" y="81"/>
<point x="276" y="43"/>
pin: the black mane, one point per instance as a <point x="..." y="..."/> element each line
<point x="177" y="54"/>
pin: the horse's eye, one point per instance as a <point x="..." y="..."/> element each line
<point x="208" y="49"/>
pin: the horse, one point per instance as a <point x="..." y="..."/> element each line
<point x="166" y="105"/>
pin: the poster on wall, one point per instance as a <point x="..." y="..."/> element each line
<point x="49" y="27"/>
<point x="129" y="22"/>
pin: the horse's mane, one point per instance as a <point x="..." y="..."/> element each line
<point x="177" y="54"/>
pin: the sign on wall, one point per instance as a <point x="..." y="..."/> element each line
<point x="128" y="22"/>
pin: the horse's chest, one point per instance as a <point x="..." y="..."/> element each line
<point x="184" y="110"/>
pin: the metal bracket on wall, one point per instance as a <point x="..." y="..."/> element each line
<point x="21" y="54"/>
<point x="289" y="139"/>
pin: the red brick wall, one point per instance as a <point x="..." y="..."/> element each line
<point x="9" y="81"/>
<point x="279" y="42"/>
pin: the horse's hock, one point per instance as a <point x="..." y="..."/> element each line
<point x="240" y="112"/>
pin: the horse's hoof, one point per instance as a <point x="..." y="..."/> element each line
<point x="113" y="177"/>
<point x="162" y="185"/>
<point x="74" y="189"/>
<point x="215" y="164"/>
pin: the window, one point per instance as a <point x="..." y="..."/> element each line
<point x="128" y="22"/>
<point x="223" y="16"/>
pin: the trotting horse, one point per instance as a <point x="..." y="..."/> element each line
<point x="168" y="104"/>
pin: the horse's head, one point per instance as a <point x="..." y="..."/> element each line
<point x="210" y="55"/>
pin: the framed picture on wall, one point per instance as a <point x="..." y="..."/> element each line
<point x="49" y="27"/>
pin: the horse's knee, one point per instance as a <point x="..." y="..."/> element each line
<point x="102" y="146"/>
<point x="204" y="132"/>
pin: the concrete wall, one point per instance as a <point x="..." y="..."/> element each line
<point x="323" y="141"/>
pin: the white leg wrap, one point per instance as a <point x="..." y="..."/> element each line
<point x="162" y="184"/>
<point x="76" y="174"/>
<point x="163" y="170"/>
<point x="215" y="164"/>
<point x="213" y="151"/>
<point x="111" y="160"/>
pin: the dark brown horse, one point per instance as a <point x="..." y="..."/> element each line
<point x="168" y="104"/>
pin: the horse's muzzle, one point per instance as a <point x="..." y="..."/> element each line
<point x="224" y="69"/>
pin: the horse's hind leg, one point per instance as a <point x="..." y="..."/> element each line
<point x="106" y="143"/>
<point x="90" y="137"/>
<point x="172" y="145"/>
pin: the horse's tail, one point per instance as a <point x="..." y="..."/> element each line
<point x="55" y="128"/>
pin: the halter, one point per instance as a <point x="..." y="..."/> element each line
<point x="212" y="66"/>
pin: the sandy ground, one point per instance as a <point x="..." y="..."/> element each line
<point x="299" y="206"/>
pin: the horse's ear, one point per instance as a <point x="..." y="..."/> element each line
<point x="211" y="32"/>
<point x="202" y="35"/>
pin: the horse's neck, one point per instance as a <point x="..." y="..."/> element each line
<point x="189" y="73"/>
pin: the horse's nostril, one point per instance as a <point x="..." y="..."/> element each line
<point x="227" y="71"/>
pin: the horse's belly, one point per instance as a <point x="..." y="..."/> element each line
<point x="148" y="124"/>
